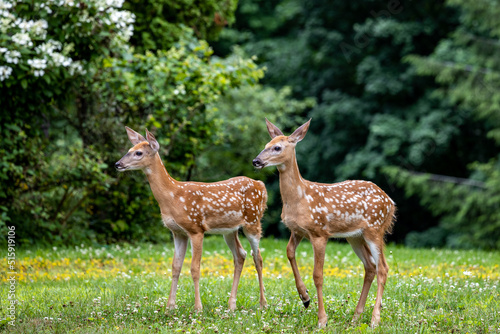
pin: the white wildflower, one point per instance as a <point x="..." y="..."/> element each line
<point x="22" y="39"/>
<point x="60" y="60"/>
<point x="12" y="57"/>
<point x="46" y="7"/>
<point x="114" y="3"/>
<point x="121" y="18"/>
<point x="69" y="3"/>
<point x="48" y="47"/>
<point x="5" y="4"/>
<point x="38" y="64"/>
<point x="5" y="72"/>
<point x="39" y="28"/>
<point x="7" y="18"/>
<point x="24" y="25"/>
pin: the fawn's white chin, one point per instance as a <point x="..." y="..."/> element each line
<point x="260" y="166"/>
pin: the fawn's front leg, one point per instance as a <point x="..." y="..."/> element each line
<point x="290" y="252"/>
<point x="180" y="244"/>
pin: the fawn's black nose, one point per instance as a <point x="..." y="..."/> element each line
<point x="257" y="163"/>
<point x="117" y="165"/>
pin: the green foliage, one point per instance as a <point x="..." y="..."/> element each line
<point x="467" y="68"/>
<point x="468" y="210"/>
<point x="46" y="46"/>
<point x="433" y="237"/>
<point x="242" y="113"/>
<point x="171" y="92"/>
<point x="372" y="109"/>
<point x="64" y="129"/>
<point x="46" y="49"/>
<point x="160" y="24"/>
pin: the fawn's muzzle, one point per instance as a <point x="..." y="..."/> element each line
<point x="257" y="163"/>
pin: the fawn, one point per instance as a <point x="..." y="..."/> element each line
<point x="191" y="209"/>
<point x="356" y="210"/>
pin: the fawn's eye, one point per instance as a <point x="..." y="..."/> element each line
<point x="138" y="153"/>
<point x="277" y="148"/>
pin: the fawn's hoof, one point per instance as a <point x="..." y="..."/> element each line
<point x="263" y="304"/>
<point x="306" y="303"/>
<point x="232" y="305"/>
<point x="375" y="323"/>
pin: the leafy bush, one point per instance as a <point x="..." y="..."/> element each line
<point x="433" y="237"/>
<point x="466" y="66"/>
<point x="70" y="82"/>
<point x="172" y="92"/>
<point x="160" y="24"/>
<point x="468" y="208"/>
<point x="47" y="50"/>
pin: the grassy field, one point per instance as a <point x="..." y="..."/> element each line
<point x="124" y="289"/>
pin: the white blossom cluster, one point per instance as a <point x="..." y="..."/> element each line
<point x="27" y="41"/>
<point x="5" y="72"/>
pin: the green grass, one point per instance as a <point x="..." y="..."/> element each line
<point x="124" y="289"/>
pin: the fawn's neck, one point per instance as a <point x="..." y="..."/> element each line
<point x="292" y="184"/>
<point x="162" y="185"/>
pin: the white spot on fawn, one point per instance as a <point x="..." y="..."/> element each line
<point x="299" y="191"/>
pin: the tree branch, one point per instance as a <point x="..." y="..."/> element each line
<point x="452" y="179"/>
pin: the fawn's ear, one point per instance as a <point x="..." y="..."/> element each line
<point x="134" y="137"/>
<point x="273" y="129"/>
<point x="153" y="143"/>
<point x="300" y="133"/>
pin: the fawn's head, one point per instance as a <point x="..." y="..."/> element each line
<point x="141" y="155"/>
<point x="280" y="148"/>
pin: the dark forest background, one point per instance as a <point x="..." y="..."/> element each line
<point x="403" y="93"/>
